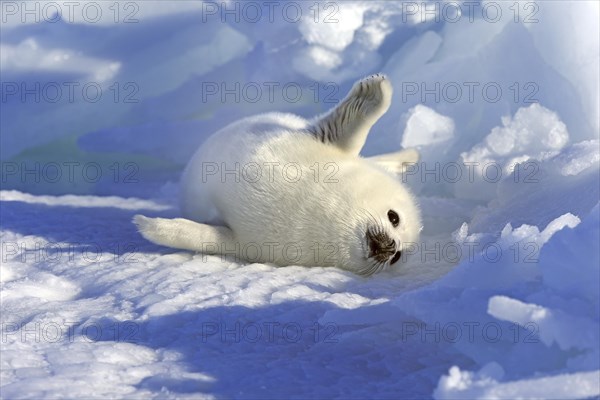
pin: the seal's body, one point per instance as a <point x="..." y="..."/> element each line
<point x="282" y="189"/>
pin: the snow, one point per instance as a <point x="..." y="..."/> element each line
<point x="501" y="299"/>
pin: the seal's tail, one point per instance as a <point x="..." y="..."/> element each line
<point x="185" y="234"/>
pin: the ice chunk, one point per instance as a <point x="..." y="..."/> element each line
<point x="334" y="36"/>
<point x="83" y="201"/>
<point x="571" y="263"/>
<point x="551" y="325"/>
<point x="29" y="56"/>
<point x="425" y="127"/>
<point x="533" y="133"/>
<point x="578" y="157"/>
<point x="467" y="385"/>
<point x="533" y="130"/>
<point x="563" y="26"/>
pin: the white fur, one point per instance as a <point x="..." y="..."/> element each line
<point x="318" y="217"/>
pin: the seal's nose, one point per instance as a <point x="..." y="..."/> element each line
<point x="381" y="245"/>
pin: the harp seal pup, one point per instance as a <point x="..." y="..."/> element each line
<point x="277" y="188"/>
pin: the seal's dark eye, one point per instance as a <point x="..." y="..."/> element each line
<point x="394" y="218"/>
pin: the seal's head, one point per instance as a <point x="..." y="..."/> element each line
<point x="389" y="223"/>
<point x="393" y="225"/>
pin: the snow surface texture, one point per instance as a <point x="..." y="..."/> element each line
<point x="501" y="300"/>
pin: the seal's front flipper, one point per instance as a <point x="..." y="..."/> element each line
<point x="397" y="162"/>
<point x="185" y="234"/>
<point x="347" y="125"/>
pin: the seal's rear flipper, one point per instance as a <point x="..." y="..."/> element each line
<point x="347" y="125"/>
<point x="185" y="234"/>
<point x="397" y="162"/>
